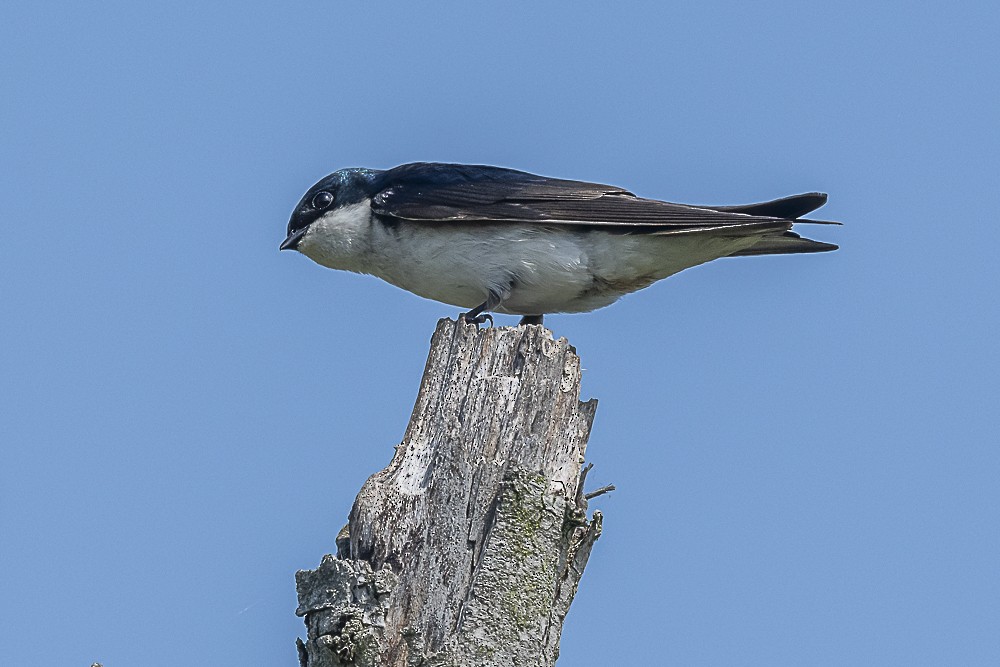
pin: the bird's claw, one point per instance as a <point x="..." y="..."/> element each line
<point x="481" y="318"/>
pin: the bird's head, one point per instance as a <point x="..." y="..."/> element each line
<point x="327" y="200"/>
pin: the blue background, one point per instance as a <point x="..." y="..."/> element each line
<point x="806" y="448"/>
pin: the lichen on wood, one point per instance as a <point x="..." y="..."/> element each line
<point x="467" y="549"/>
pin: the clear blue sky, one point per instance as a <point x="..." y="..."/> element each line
<point x="806" y="448"/>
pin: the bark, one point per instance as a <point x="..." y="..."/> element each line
<point x="468" y="548"/>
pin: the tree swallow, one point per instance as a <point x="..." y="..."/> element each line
<point x="489" y="239"/>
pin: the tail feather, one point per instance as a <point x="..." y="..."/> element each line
<point x="785" y="244"/>
<point x="789" y="208"/>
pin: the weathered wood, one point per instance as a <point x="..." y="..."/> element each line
<point x="468" y="548"/>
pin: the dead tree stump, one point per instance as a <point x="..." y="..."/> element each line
<point x="468" y="548"/>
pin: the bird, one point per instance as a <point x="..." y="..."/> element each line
<point x="497" y="240"/>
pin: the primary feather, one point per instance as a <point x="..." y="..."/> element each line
<point x="459" y="193"/>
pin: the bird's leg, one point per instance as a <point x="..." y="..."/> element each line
<point x="477" y="315"/>
<point x="531" y="319"/>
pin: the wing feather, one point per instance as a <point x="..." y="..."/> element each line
<point x="443" y="193"/>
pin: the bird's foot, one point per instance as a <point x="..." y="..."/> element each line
<point x="480" y="314"/>
<point x="530" y="319"/>
<point x="473" y="317"/>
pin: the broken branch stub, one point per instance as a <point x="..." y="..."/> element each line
<point x="468" y="548"/>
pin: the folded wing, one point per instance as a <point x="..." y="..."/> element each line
<point x="443" y="193"/>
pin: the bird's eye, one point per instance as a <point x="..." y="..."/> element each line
<point x="321" y="200"/>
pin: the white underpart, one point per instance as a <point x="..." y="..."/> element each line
<point x="341" y="239"/>
<point x="537" y="269"/>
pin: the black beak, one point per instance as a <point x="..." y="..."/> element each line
<point x="292" y="242"/>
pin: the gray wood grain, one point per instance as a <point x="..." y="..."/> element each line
<point x="467" y="549"/>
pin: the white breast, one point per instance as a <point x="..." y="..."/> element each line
<point x="539" y="269"/>
<point x="533" y="266"/>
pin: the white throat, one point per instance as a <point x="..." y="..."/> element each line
<point x="341" y="239"/>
